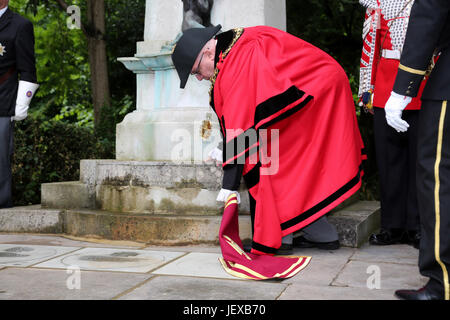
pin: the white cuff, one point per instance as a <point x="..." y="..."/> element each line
<point x="224" y="194"/>
<point x="216" y="154"/>
<point x="25" y="93"/>
<point x="398" y="96"/>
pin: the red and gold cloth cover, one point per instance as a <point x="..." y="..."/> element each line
<point x="246" y="265"/>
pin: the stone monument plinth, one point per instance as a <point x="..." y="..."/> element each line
<point x="159" y="190"/>
<point x="159" y="171"/>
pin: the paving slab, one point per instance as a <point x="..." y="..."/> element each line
<point x="45" y="284"/>
<point x="206" y="248"/>
<point x="401" y="253"/>
<point x="324" y="266"/>
<point x="361" y="274"/>
<point x="27" y="255"/>
<point x="309" y="292"/>
<point x="190" y="288"/>
<point x="68" y="241"/>
<point x="196" y="264"/>
<point x="109" y="259"/>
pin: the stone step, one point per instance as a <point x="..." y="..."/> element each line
<point x="354" y="224"/>
<point x="148" y="187"/>
<point x="145" y="187"/>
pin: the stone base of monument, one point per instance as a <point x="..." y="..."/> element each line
<point x="156" y="203"/>
<point x="142" y="187"/>
<point x="354" y="224"/>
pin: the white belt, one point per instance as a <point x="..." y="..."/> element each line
<point x="391" y="54"/>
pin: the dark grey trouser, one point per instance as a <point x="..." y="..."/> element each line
<point x="318" y="231"/>
<point x="6" y="151"/>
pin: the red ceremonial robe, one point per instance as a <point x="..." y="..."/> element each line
<point x="269" y="79"/>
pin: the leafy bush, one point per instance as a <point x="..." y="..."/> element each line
<point x="336" y="27"/>
<point x="48" y="152"/>
<point x="110" y="116"/>
<point x="51" y="150"/>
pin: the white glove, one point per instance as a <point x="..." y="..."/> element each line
<point x="25" y="93"/>
<point x="394" y="108"/>
<point x="224" y="194"/>
<point x="215" y="154"/>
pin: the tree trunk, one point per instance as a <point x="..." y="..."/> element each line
<point x="97" y="56"/>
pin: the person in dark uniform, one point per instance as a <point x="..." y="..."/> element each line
<point x="17" y="86"/>
<point x="428" y="34"/>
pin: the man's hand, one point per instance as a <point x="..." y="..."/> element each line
<point x="394" y="109"/>
<point x="224" y="194"/>
<point x="215" y="154"/>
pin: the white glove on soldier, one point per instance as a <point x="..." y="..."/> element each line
<point x="224" y="194"/>
<point x="25" y="93"/>
<point x="394" y="108"/>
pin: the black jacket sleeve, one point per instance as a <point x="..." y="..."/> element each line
<point x="426" y="25"/>
<point x="232" y="175"/>
<point x="25" y="57"/>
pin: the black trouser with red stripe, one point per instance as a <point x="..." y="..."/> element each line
<point x="6" y="150"/>
<point x="433" y="185"/>
<point x="396" y="155"/>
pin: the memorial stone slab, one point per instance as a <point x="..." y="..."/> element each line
<point x="196" y="264"/>
<point x="27" y="255"/>
<point x="108" y="259"/>
<point x="50" y="284"/>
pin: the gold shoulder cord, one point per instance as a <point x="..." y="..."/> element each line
<point x="237" y="34"/>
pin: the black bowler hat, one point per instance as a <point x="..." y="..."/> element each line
<point x="187" y="49"/>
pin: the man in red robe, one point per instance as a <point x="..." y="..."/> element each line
<point x="275" y="93"/>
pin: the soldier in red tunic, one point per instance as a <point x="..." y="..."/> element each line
<point x="383" y="35"/>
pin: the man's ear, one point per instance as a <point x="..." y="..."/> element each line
<point x="210" y="49"/>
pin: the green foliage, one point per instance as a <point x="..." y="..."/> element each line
<point x="51" y="150"/>
<point x="106" y="128"/>
<point x="48" y="152"/>
<point x="335" y="27"/>
<point x="61" y="61"/>
<point x="60" y="130"/>
<point x="124" y="27"/>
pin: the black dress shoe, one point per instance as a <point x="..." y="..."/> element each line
<point x="285" y="249"/>
<point x="247" y="245"/>
<point x="388" y="237"/>
<point x="414" y="238"/>
<point x="421" y="294"/>
<point x="302" y="242"/>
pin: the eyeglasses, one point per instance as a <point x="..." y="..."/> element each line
<point x="197" y="70"/>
